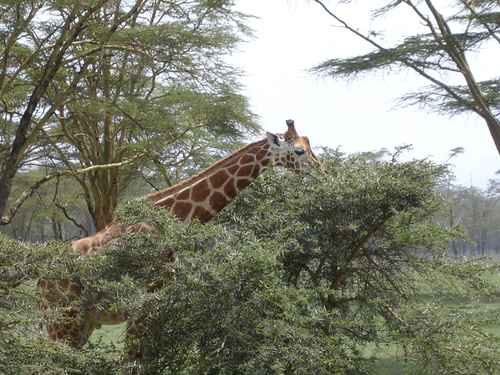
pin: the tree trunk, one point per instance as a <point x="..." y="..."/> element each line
<point x="22" y="140"/>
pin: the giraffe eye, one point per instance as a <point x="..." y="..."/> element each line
<point x="300" y="152"/>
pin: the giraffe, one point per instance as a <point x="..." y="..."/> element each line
<point x="200" y="197"/>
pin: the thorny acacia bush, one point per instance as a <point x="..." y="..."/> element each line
<point x="299" y="275"/>
<point x="23" y="350"/>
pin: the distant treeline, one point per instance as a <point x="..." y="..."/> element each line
<point x="477" y="212"/>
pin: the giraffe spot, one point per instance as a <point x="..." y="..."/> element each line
<point x="255" y="172"/>
<point x="242" y="183"/>
<point x="265" y="162"/>
<point x="166" y="203"/>
<point x="200" y="191"/>
<point x="254" y="150"/>
<point x="247" y="159"/>
<point x="183" y="195"/>
<point x="74" y="289"/>
<point x="218" y="179"/>
<point x="283" y="160"/>
<point x="233" y="169"/>
<point x="201" y="214"/>
<point x="218" y="201"/>
<point x="261" y="154"/>
<point x="230" y="189"/>
<point x="245" y="170"/>
<point x="182" y="209"/>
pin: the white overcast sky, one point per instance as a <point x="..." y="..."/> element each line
<point x="295" y="35"/>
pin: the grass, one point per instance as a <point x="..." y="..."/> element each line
<point x="394" y="366"/>
<point x="107" y="334"/>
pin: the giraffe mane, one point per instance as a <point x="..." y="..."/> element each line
<point x="154" y="197"/>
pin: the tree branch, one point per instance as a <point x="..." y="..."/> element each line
<point x="63" y="209"/>
<point x="7" y="218"/>
<point x="406" y="62"/>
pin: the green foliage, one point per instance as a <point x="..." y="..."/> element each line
<point x="228" y="308"/>
<point x="301" y="274"/>
<point x="22" y="349"/>
<point x="134" y="87"/>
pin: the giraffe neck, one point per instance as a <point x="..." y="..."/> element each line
<point x="205" y="194"/>
<point x="199" y="197"/>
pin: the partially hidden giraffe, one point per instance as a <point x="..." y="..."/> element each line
<point x="199" y="197"/>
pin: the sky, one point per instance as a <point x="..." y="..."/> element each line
<point x="292" y="36"/>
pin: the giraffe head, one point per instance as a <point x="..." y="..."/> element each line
<point x="292" y="151"/>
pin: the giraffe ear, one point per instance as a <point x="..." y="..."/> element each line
<point x="274" y="140"/>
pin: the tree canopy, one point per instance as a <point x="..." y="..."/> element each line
<point x="90" y="87"/>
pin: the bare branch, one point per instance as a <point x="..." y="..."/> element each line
<point x="63" y="209"/>
<point x="7" y="218"/>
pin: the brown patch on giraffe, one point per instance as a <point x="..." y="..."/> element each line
<point x="247" y="159"/>
<point x="166" y="203"/>
<point x="201" y="214"/>
<point x="74" y="289"/>
<point x="218" y="201"/>
<point x="255" y="172"/>
<point x="265" y="162"/>
<point x="245" y="171"/>
<point x="230" y="189"/>
<point x="219" y="178"/>
<point x="261" y="154"/>
<point x="242" y="183"/>
<point x="182" y="209"/>
<point x="183" y="195"/>
<point x="200" y="191"/>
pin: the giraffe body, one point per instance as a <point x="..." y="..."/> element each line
<point x="200" y="197"/>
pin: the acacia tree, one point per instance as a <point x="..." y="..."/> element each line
<point x="33" y="53"/>
<point x="477" y="212"/>
<point x="441" y="54"/>
<point x="304" y="275"/>
<point x="298" y="275"/>
<point x="115" y="83"/>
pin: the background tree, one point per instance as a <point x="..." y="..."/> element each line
<point x="452" y="34"/>
<point x="57" y="210"/>
<point x="122" y="83"/>
<point x="30" y="60"/>
<point x="478" y="213"/>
